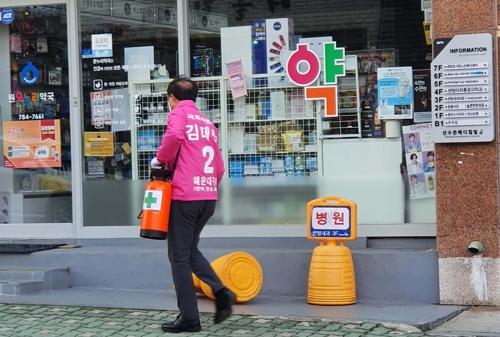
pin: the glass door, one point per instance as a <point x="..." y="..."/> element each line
<point x="36" y="174"/>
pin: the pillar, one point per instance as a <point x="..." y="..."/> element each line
<point x="467" y="196"/>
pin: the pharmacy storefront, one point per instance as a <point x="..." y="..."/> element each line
<point x="309" y="99"/>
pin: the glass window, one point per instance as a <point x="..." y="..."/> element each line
<point x="122" y="45"/>
<point x="35" y="177"/>
<point x="281" y="150"/>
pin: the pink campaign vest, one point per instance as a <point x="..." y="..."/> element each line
<point x="200" y="166"/>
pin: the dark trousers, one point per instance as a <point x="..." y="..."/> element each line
<point x="187" y="220"/>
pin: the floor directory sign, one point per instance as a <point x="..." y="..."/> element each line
<point x="462" y="89"/>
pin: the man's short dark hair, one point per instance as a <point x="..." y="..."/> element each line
<point x="183" y="88"/>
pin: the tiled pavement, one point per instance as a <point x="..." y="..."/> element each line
<point x="39" y="320"/>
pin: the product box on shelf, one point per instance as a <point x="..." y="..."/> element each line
<point x="236" y="168"/>
<point x="293" y="141"/>
<point x="251" y="169"/>
<point x="250" y="142"/>
<point x="148" y="140"/>
<point x="289" y="163"/>
<point x="300" y="108"/>
<point x="265" y="167"/>
<point x="55" y="183"/>
<point x="236" y="139"/>
<point x="311" y="164"/>
<point x="298" y="173"/>
<point x="268" y="142"/>
<point x="277" y="165"/>
<point x="298" y="162"/>
<point x="273" y="44"/>
<point x="239" y="112"/>
<point x="250" y="112"/>
<point x="277" y="105"/>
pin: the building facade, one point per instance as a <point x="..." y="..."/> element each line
<point x="83" y="105"/>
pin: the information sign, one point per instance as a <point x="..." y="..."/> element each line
<point x="462" y="89"/>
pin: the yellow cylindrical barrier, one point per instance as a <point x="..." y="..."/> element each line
<point x="240" y="272"/>
<point x="331" y="276"/>
<point x="197" y="284"/>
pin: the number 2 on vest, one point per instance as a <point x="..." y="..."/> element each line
<point x="208" y="151"/>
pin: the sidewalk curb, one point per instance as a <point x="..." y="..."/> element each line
<point x="434" y="324"/>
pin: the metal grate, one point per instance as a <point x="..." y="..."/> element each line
<point x="347" y="124"/>
<point x="272" y="131"/>
<point x="149" y="111"/>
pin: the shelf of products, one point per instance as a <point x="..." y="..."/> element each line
<point x="271" y="132"/>
<point x="149" y="113"/>
<point x="368" y="61"/>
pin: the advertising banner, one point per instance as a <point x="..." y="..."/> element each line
<point x="395" y="93"/>
<point x="420" y="160"/>
<point x="32" y="144"/>
<point x="422" y="96"/>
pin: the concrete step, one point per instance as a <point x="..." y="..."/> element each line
<point x="25" y="281"/>
<point x="20" y="287"/>
<point x="395" y="275"/>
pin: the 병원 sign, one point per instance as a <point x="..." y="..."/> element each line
<point x="462" y="89"/>
<point x="335" y="221"/>
<point x="331" y="222"/>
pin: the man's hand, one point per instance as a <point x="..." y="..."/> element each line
<point x="155" y="164"/>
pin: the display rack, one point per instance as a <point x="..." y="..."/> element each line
<point x="149" y="114"/>
<point x="348" y="122"/>
<point x="368" y="61"/>
<point x="272" y="131"/>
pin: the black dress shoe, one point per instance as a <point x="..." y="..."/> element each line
<point x="224" y="299"/>
<point x="181" y="325"/>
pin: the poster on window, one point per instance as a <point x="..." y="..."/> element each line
<point x="395" y="93"/>
<point x="420" y="160"/>
<point x="422" y="96"/>
<point x="32" y="144"/>
<point x="236" y="79"/>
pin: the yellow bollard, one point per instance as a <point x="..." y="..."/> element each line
<point x="240" y="272"/>
<point x="331" y="276"/>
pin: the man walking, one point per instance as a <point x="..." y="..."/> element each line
<point x="190" y="147"/>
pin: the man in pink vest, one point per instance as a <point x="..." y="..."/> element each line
<point x="190" y="147"/>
